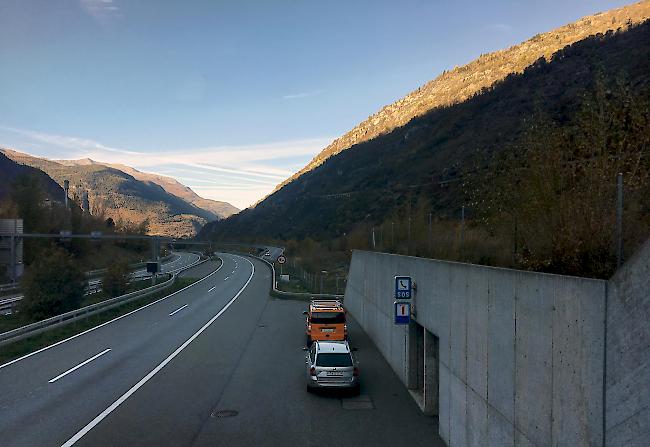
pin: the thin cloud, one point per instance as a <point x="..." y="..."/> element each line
<point x="239" y="174"/>
<point x="79" y="144"/>
<point x="303" y="94"/>
<point x="498" y="27"/>
<point x="100" y="9"/>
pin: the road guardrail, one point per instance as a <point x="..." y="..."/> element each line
<point x="38" y="327"/>
<point x="137" y="265"/>
<point x="9" y="287"/>
<point x="7" y="304"/>
<point x="94" y="285"/>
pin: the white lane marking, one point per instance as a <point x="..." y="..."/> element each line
<point x="197" y="260"/>
<point x="154" y="371"/>
<point x="108" y="322"/>
<point x="179" y="309"/>
<point x="85" y="362"/>
<point x="211" y="289"/>
<point x="226" y="278"/>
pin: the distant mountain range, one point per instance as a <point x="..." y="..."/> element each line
<point x="220" y="210"/>
<point x="124" y="193"/>
<point x="417" y="148"/>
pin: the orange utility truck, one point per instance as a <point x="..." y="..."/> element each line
<point x="325" y="321"/>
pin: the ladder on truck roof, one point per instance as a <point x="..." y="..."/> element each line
<point x="326" y="303"/>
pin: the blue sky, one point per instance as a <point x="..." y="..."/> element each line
<point x="232" y="97"/>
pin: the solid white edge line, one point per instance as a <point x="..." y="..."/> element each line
<point x="80" y="434"/>
<point x="110" y="321"/>
<point x="179" y="309"/>
<point x="85" y="362"/>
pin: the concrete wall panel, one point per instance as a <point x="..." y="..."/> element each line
<point x="444" y="390"/>
<point x="628" y="353"/>
<point x="477" y="291"/>
<point x="533" y="357"/>
<point x="501" y="345"/>
<point x="500" y="430"/>
<point x="457" y="412"/>
<point x="578" y="356"/>
<point x="477" y="420"/>
<point x="458" y="325"/>
<point x="521" y="354"/>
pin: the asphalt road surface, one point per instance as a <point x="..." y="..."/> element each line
<point x="218" y="363"/>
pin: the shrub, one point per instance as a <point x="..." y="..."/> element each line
<point x="54" y="284"/>
<point x="116" y="280"/>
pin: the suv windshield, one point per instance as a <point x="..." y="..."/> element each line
<point x="334" y="359"/>
<point x="327" y="317"/>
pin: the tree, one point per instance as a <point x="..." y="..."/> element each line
<point x="116" y="280"/>
<point x="28" y="195"/>
<point x="54" y="284"/>
<point x="555" y="191"/>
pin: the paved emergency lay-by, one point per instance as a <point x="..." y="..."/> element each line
<point x="218" y="363"/>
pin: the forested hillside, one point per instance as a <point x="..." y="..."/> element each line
<point x="461" y="83"/>
<point x="581" y="112"/>
<point x="10" y="171"/>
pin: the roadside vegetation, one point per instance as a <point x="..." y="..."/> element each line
<point x="115" y="281"/>
<point x="23" y="314"/>
<point x="27" y="199"/>
<point x="54" y="284"/>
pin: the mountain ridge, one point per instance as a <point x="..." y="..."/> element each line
<point x="10" y="170"/>
<point x="122" y="196"/>
<point x="425" y="158"/>
<point x="460" y="83"/>
<point x="219" y="209"/>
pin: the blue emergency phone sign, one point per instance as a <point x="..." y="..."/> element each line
<point x="402" y="313"/>
<point x="403" y="288"/>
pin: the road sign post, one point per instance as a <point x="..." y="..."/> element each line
<point x="403" y="288"/>
<point x="281" y="260"/>
<point x="402" y="313"/>
<point x="403" y="293"/>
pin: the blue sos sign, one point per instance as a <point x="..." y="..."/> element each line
<point x="403" y="288"/>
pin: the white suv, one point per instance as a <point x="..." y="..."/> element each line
<point x="330" y="364"/>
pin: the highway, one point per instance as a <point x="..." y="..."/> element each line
<point x="167" y="373"/>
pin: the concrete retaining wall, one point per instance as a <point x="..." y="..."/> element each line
<point x="521" y="354"/>
<point x="628" y="354"/>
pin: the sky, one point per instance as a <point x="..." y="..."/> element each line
<point x="232" y="97"/>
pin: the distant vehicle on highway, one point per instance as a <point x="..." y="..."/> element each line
<point x="330" y="364"/>
<point x="325" y="321"/>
